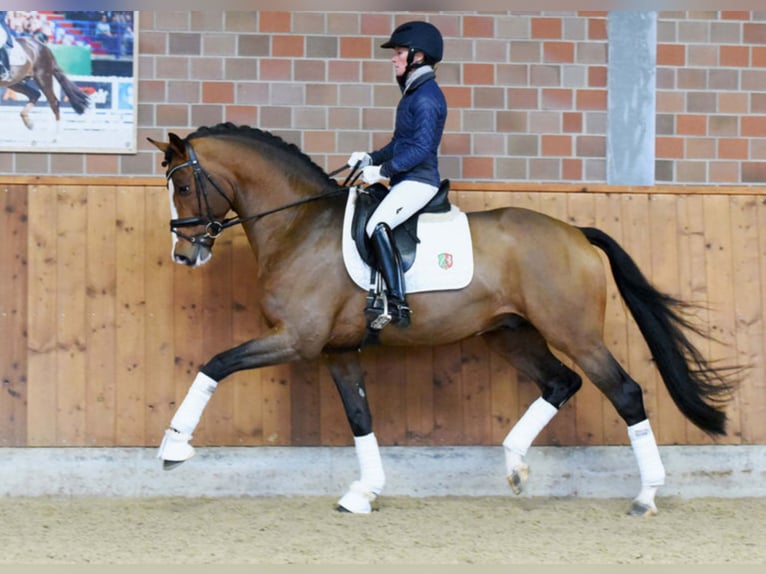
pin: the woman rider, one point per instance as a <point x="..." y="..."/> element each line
<point x="6" y="43"/>
<point x="409" y="160"/>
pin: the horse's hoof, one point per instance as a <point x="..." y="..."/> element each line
<point x="174" y="449"/>
<point x="339" y="508"/>
<point x="358" y="500"/>
<point x="27" y="122"/>
<point x="518" y="478"/>
<point x="642" y="509"/>
<point x="171" y="464"/>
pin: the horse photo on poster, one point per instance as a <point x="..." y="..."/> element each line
<point x="68" y="81"/>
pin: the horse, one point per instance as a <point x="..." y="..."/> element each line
<point x="40" y="65"/>
<point x="539" y="283"/>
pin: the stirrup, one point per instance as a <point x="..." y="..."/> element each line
<point x="377" y="311"/>
<point x="380" y="310"/>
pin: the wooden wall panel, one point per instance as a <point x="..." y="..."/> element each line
<point x="101" y="324"/>
<point x="720" y="272"/>
<point x="748" y="313"/>
<point x="13" y="316"/>
<point x="106" y="333"/>
<point x="42" y="249"/>
<point x="71" y="330"/>
<point x="158" y="271"/>
<point x="754" y="391"/>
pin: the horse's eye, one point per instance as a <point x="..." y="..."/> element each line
<point x="184" y="190"/>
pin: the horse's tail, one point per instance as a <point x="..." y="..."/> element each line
<point x="77" y="98"/>
<point x="698" y="389"/>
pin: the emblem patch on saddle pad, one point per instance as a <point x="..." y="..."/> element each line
<point x="444" y="258"/>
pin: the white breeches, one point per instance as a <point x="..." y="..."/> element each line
<point x="402" y="201"/>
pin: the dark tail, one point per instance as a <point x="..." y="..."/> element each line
<point x="77" y="98"/>
<point x="698" y="390"/>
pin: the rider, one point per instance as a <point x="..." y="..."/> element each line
<point x="409" y="160"/>
<point x="5" y="44"/>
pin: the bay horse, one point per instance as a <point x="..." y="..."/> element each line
<point x="538" y="281"/>
<point x="40" y="65"/>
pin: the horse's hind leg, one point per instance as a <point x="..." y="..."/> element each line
<point x="46" y="85"/>
<point x="348" y="375"/>
<point x="626" y="396"/>
<point x="523" y="346"/>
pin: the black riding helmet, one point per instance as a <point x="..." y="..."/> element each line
<point x="418" y="37"/>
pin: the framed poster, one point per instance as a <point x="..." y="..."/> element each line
<point x="84" y="64"/>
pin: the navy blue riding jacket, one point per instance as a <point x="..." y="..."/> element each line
<point x="412" y="152"/>
<point x="4" y="24"/>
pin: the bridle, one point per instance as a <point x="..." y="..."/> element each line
<point x="215" y="226"/>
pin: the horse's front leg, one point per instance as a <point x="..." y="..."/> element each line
<point x="27" y="88"/>
<point x="346" y="370"/>
<point x="272" y="350"/>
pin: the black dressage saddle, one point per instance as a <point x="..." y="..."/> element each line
<point x="405" y="235"/>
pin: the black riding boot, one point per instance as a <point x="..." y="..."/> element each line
<point x="5" y="71"/>
<point x="390" y="267"/>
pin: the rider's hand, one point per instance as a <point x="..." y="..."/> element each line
<point x="371" y="174"/>
<point x="360" y="157"/>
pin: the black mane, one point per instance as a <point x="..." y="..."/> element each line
<point x="266" y="138"/>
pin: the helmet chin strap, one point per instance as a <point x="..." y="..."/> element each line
<point x="411" y="65"/>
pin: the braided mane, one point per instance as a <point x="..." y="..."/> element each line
<point x="265" y="138"/>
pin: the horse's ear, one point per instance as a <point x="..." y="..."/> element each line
<point x="177" y="144"/>
<point x="162" y="146"/>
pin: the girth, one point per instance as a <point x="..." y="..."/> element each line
<point x="405" y="235"/>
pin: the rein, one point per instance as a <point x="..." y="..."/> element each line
<point x="213" y="226"/>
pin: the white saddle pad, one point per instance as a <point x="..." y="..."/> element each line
<point x="444" y="258"/>
<point x="16" y="55"/>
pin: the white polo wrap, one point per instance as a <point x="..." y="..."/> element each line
<point x="370" y="463"/>
<point x="188" y="414"/>
<point x="647" y="454"/>
<point x="529" y="426"/>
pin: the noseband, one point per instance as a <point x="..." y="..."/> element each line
<point x="214" y="226"/>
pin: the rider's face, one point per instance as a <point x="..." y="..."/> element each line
<point x="399" y="59"/>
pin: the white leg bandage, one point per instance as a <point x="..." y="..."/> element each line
<point x="363" y="492"/>
<point x="649" y="463"/>
<point x="370" y="463"/>
<point x="188" y="414"/>
<point x="175" y="444"/>
<point x="525" y="431"/>
<point x="647" y="454"/>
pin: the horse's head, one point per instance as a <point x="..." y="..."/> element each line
<point x="198" y="205"/>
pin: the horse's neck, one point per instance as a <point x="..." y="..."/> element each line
<point x="279" y="235"/>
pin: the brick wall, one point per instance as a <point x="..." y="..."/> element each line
<point x="527" y="91"/>
<point x="711" y="97"/>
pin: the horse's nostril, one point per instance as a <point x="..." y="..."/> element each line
<point x="183" y="260"/>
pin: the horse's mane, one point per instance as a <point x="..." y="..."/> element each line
<point x="268" y="139"/>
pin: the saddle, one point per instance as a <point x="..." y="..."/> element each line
<point x="405" y="235"/>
